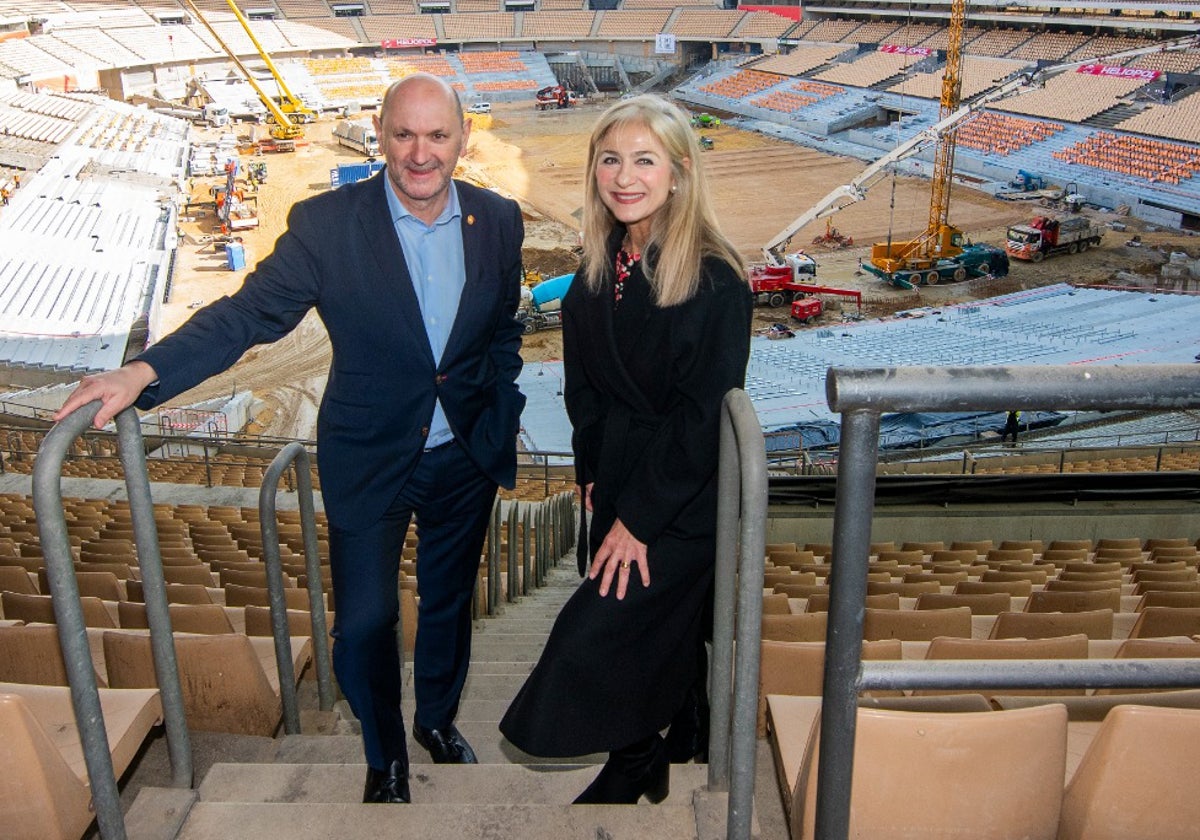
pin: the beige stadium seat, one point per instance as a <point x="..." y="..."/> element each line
<point x="44" y="792"/>
<point x="16" y="579"/>
<point x="963" y="776"/>
<point x="797" y="669"/>
<point x="237" y="595"/>
<point x="185" y="618"/>
<point x="102" y="585"/>
<point x="31" y="654"/>
<point x="1015" y="588"/>
<point x="1095" y="624"/>
<point x="1059" y="647"/>
<point x="988" y="603"/>
<point x="885" y="601"/>
<point x="904" y="590"/>
<point x="917" y="625"/>
<point x="1157" y="622"/>
<point x="801" y="590"/>
<point x="1048" y="600"/>
<point x="1169" y="599"/>
<point x="1137" y="780"/>
<point x="177" y="593"/>
<point x="230" y="682"/>
<point x="802" y="627"/>
<point x="775" y="604"/>
<point x="39" y="609"/>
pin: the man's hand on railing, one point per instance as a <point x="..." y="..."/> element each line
<point x="116" y="390"/>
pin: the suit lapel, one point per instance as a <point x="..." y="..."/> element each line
<point x="473" y="292"/>
<point x="376" y="219"/>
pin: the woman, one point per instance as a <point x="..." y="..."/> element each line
<point x="656" y="330"/>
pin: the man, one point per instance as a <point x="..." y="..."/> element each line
<point x="417" y="279"/>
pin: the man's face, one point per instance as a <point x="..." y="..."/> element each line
<point x="422" y="137"/>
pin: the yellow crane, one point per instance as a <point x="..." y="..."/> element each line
<point x="289" y="112"/>
<point x="941" y="252"/>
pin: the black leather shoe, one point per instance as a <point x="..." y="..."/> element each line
<point x="389" y="785"/>
<point x="446" y="746"/>
<point x="629" y="774"/>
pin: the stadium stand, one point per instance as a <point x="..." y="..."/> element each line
<point x="801" y="60"/>
<point x="867" y="70"/>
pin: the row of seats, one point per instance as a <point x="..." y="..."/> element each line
<point x="959" y="770"/>
<point x="1141" y="157"/>
<point x="1003" y="134"/>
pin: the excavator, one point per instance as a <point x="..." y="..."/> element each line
<point x="288" y="111"/>
<point x="942" y="252"/>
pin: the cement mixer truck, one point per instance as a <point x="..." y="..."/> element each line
<point x="541" y="305"/>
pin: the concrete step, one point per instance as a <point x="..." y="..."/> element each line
<point x="431" y="784"/>
<point x="278" y="821"/>
<point x="489" y="745"/>
<point x="509" y="625"/>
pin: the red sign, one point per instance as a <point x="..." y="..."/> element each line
<point x="896" y="48"/>
<point x="401" y="43"/>
<point x="1117" y="72"/>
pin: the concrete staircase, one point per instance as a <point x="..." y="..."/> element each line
<point x="310" y="786"/>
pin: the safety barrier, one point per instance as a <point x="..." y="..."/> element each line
<point x="861" y="396"/>
<point x="741" y="546"/>
<point x="81" y="674"/>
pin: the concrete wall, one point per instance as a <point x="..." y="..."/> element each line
<point x="1085" y="520"/>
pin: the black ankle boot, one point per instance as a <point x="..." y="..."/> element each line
<point x="687" y="739"/>
<point x="630" y="773"/>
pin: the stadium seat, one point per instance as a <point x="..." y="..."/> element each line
<point x="1137" y="780"/>
<point x="916" y="625"/>
<point x="1095" y="624"/>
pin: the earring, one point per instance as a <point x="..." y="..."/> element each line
<point x="674" y="188"/>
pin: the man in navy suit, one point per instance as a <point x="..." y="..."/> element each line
<point x="416" y="277"/>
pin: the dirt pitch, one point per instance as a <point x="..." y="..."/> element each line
<point x="759" y="185"/>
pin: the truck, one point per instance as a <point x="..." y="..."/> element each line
<point x="349" y="173"/>
<point x="774" y="285"/>
<point x="358" y="135"/>
<point x="554" y="96"/>
<point x="1046" y="236"/>
<point x="541" y="305"/>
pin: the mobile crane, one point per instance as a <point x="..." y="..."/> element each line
<point x="856" y="189"/>
<point x="289" y="112"/>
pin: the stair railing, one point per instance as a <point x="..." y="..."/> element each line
<point x="861" y="396"/>
<point x="68" y="612"/>
<point x="741" y="547"/>
<point x="294" y="453"/>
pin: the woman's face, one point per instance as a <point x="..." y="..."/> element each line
<point x="633" y="177"/>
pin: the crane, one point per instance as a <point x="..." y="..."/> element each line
<point x="289" y="112"/>
<point x="856" y="189"/>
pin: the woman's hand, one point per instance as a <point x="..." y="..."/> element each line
<point x="619" y="552"/>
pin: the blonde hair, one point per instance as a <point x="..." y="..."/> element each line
<point x="684" y="230"/>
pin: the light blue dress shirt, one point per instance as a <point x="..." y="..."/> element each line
<point x="434" y="255"/>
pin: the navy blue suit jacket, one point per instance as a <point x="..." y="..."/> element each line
<point x="340" y="254"/>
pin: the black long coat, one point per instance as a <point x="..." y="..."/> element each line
<point x="643" y="389"/>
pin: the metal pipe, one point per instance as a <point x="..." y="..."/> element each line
<point x="527" y="582"/>
<point x="68" y="615"/>
<point x="493" y="559"/>
<point x="752" y="462"/>
<point x="294" y="454"/>
<point x="1040" y="673"/>
<point x="154" y="593"/>
<point x="1051" y="387"/>
<point x="724" y="595"/>
<point x="853" y="506"/>
<point x="278" y="603"/>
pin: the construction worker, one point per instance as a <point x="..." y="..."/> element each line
<point x="1012" y="424"/>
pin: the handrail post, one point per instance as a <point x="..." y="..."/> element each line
<point x="68" y="612"/>
<point x="526" y="565"/>
<point x="741" y="519"/>
<point x="852" y="512"/>
<point x="294" y="453"/>
<point x="513" y="564"/>
<point x="493" y="559"/>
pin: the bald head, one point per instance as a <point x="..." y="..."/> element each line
<point x="426" y="82"/>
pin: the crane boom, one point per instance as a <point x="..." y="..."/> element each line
<point x="286" y="128"/>
<point x="856" y="189"/>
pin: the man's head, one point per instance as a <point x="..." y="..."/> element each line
<point x="422" y="132"/>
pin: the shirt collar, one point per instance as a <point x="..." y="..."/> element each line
<point x="399" y="212"/>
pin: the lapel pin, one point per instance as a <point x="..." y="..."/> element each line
<point x="470" y="219"/>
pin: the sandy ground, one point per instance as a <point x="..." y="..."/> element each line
<point x="759" y="184"/>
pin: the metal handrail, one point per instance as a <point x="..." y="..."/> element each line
<point x="741" y="547"/>
<point x="294" y="453"/>
<point x="860" y="396"/>
<point x="68" y="612"/>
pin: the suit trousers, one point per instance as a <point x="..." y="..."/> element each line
<point x="452" y="502"/>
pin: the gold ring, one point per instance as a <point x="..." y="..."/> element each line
<point x="624" y="564"/>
